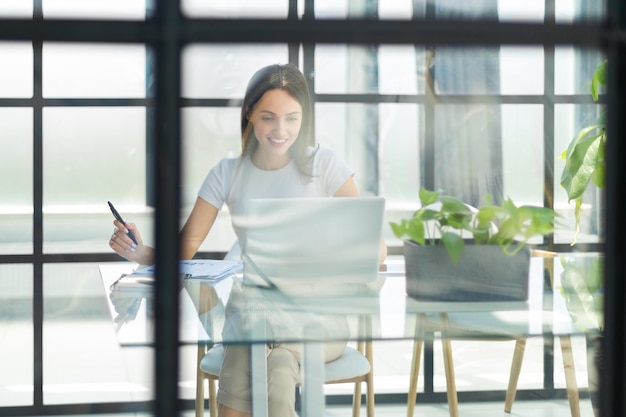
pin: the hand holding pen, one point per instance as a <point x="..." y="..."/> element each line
<point x="123" y="240"/>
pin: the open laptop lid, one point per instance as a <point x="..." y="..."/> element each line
<point x="320" y="241"/>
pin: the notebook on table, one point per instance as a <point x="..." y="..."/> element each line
<point x="312" y="244"/>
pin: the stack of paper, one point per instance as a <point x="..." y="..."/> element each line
<point x="210" y="269"/>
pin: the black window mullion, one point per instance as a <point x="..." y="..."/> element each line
<point x="38" y="296"/>
<point x="166" y="168"/>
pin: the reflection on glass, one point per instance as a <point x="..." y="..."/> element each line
<point x="92" y="155"/>
<point x="16" y="79"/>
<point x="109" y="9"/>
<point x="103" y="71"/>
<point x="16" y="324"/>
<point x="16" y="180"/>
<point x="223" y="71"/>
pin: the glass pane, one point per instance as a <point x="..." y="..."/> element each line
<point x="231" y="9"/>
<point x="331" y="9"/>
<point x="522" y="153"/>
<point x="568" y="120"/>
<point x="468" y="152"/>
<point x="387" y="69"/>
<point x="352" y="131"/>
<point x="16" y="180"/>
<point x="521" y="10"/>
<point x="16" y="9"/>
<point x="92" y="155"/>
<point x="568" y="11"/>
<point x="16" y="327"/>
<point x="102" y="71"/>
<point x="209" y="134"/>
<point x="79" y="335"/>
<point x="110" y="9"/>
<point x="396" y="9"/>
<point x="573" y="69"/>
<point x="521" y="70"/>
<point x="398" y="67"/>
<point x="223" y="71"/>
<point x="401" y="127"/>
<point x="466" y="70"/>
<point x="16" y="80"/>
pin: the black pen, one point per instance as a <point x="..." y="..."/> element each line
<point x="119" y="219"/>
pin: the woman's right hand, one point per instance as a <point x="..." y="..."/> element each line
<point x="123" y="245"/>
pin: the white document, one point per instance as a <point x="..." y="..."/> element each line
<point x="201" y="268"/>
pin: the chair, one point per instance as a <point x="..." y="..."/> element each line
<point x="518" y="355"/>
<point x="355" y="365"/>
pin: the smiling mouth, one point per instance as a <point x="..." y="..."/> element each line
<point x="278" y="141"/>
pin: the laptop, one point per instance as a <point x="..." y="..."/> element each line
<point x="312" y="245"/>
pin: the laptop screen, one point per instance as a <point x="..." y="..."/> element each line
<point x="291" y="242"/>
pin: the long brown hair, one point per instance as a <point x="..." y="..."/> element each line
<point x="287" y="78"/>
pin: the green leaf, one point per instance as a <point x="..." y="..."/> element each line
<point x="486" y="215"/>
<point x="598" y="177"/>
<point x="599" y="78"/>
<point x="581" y="162"/>
<point x="428" y="197"/>
<point x="415" y="232"/>
<point x="453" y="205"/>
<point x="397" y="229"/>
<point x="454" y="244"/>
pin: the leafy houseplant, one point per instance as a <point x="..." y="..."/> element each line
<point x="582" y="278"/>
<point x="453" y="221"/>
<point x="584" y="157"/>
<point x="454" y="253"/>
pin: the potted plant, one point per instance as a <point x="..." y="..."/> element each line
<point x="454" y="252"/>
<point x="582" y="277"/>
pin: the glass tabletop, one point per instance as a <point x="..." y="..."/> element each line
<point x="229" y="311"/>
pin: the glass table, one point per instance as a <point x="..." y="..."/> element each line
<point x="390" y="313"/>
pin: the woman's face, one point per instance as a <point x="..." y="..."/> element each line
<point x="276" y="119"/>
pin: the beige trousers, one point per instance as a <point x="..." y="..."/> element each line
<point x="283" y="367"/>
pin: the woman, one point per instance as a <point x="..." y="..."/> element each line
<point x="278" y="160"/>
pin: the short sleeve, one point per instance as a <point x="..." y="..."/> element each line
<point x="332" y="169"/>
<point x="216" y="185"/>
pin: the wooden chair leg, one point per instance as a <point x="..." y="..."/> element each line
<point x="453" y="401"/>
<point x="369" y="352"/>
<point x="212" y="398"/>
<point x="356" y="400"/>
<point x="415" y="366"/>
<point x="570" y="375"/>
<point x="516" y="367"/>
<point x="200" y="383"/>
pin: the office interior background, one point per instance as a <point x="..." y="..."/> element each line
<point x="88" y="110"/>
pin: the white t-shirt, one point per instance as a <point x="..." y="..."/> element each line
<point x="234" y="181"/>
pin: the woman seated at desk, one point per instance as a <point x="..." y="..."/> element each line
<point x="278" y="160"/>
